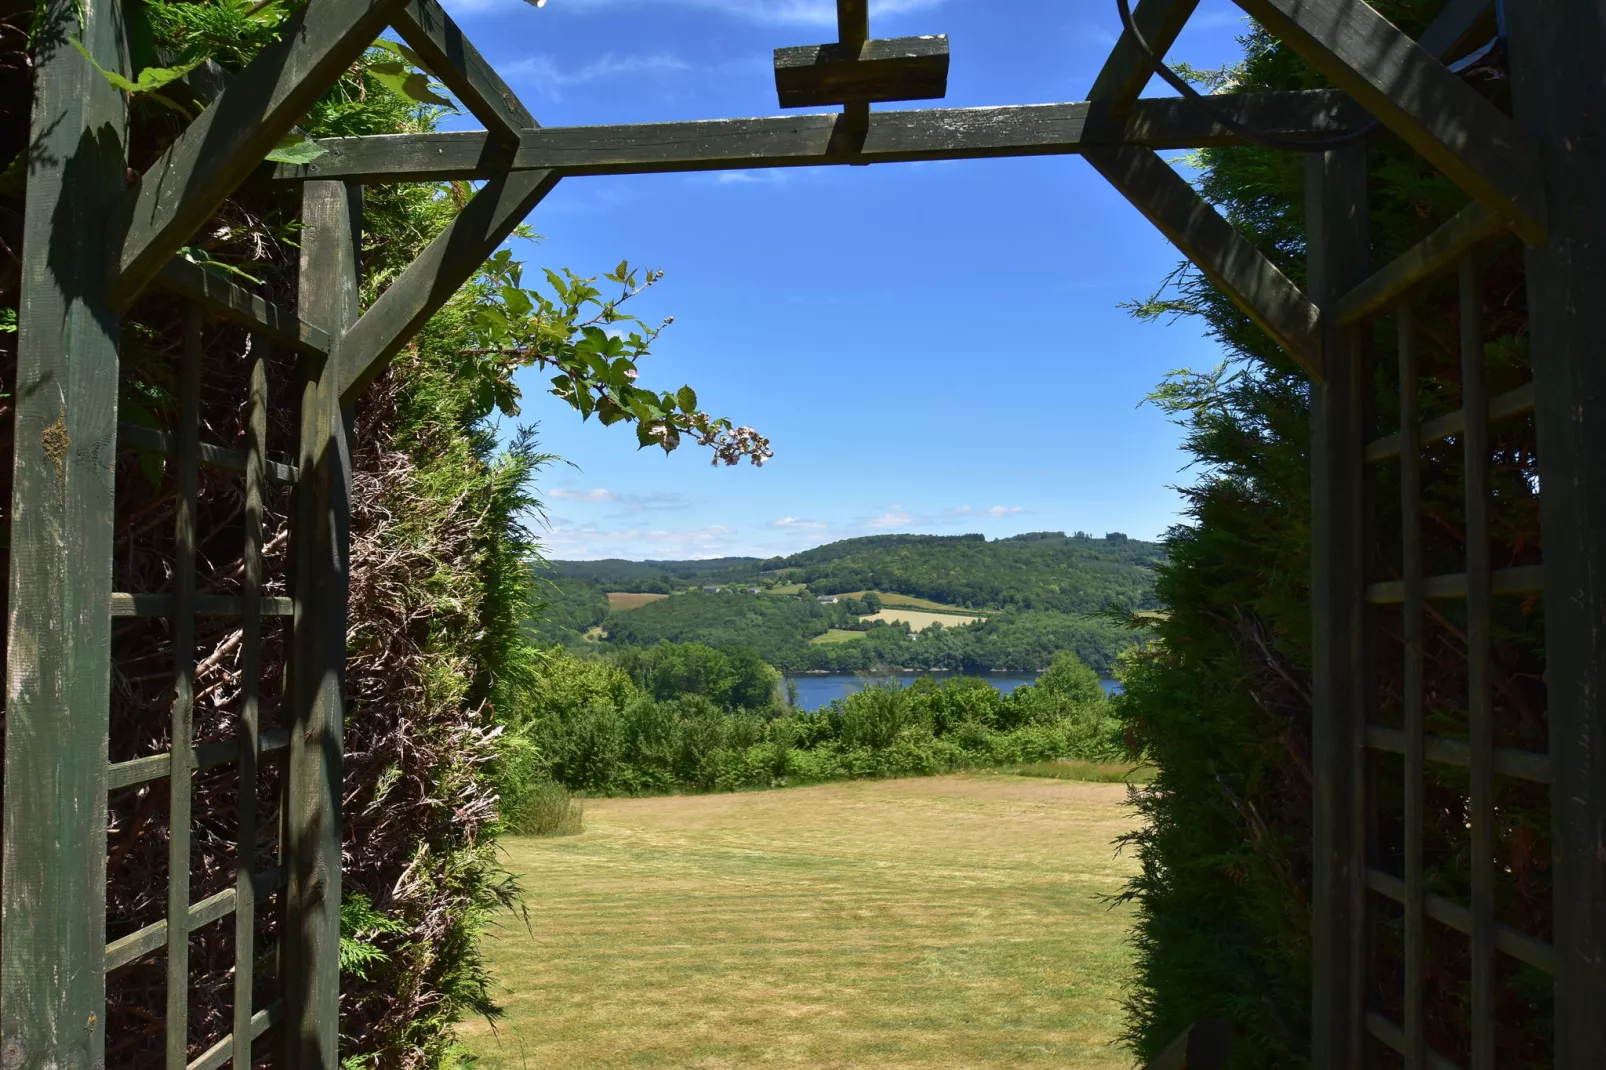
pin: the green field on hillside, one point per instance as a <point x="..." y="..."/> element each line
<point x="945" y="922"/>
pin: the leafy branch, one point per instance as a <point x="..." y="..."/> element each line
<point x="594" y="347"/>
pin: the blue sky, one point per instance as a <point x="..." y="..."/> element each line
<point x="931" y="347"/>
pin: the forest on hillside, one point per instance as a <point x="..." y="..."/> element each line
<point x="1041" y="594"/>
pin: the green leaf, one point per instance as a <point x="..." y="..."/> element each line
<point x="688" y="399"/>
<point x="407" y="84"/>
<point x="401" y="51"/>
<point x="149" y="80"/>
<point x="296" y="148"/>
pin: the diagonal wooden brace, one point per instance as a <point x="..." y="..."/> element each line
<point x="1127" y="69"/>
<point x="431" y="280"/>
<point x="1473" y="142"/>
<point x="452" y="58"/>
<point x="1226" y="257"/>
<point x="229" y="139"/>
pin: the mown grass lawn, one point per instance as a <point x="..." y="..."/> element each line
<point x="946" y="922"/>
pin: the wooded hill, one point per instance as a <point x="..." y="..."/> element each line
<point x="1041" y="594"/>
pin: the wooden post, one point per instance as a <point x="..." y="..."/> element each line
<point x="311" y="942"/>
<point x="52" y="980"/>
<point x="1338" y="245"/>
<point x="1560" y="101"/>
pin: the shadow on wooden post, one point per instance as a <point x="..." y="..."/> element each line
<point x="1205" y="1046"/>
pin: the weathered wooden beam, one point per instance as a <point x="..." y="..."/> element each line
<point x="1227" y="258"/>
<point x="309" y="944"/>
<point x="1560" y="100"/>
<point x="1338" y="246"/>
<point x="229" y="139"/>
<point x="1432" y="256"/>
<point x="239" y="306"/>
<point x="1473" y="142"/>
<point x="430" y="281"/>
<point x="452" y="58"/>
<point x="903" y="68"/>
<point x="58" y="653"/>
<point x="807" y="140"/>
<point x="852" y="21"/>
<point x="1127" y="70"/>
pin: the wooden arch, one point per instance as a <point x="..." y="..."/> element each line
<point x="1537" y="174"/>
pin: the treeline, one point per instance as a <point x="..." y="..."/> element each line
<point x="1040" y="571"/>
<point x="687" y="718"/>
<point x="657" y="577"/>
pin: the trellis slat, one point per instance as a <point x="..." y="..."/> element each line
<point x="1508" y="761"/>
<point x="1391" y="1034"/>
<point x="1529" y="579"/>
<point x="1505" y="939"/>
<point x="248" y="728"/>
<point x="1415" y="734"/>
<point x="240" y="1040"/>
<point x="131" y="774"/>
<point x="1480" y="697"/>
<point x="1429" y="258"/>
<point x="151" y="440"/>
<point x="1507" y="406"/>
<point x="124" y="604"/>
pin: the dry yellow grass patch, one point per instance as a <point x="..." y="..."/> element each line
<point x="920" y="620"/>
<point x="624" y="600"/>
<point x="946" y="922"/>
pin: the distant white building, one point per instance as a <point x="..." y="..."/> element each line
<point x="827" y="600"/>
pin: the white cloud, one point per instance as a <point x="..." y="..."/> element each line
<point x="550" y="79"/>
<point x="892" y="518"/>
<point x="996" y="510"/>
<point x="597" y="495"/>
<point x="794" y="522"/>
<point x="768" y="12"/>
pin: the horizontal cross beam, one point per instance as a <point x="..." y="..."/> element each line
<point x="814" y="140"/>
<point x="239" y="306"/>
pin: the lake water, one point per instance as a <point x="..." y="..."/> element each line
<point x="817" y="690"/>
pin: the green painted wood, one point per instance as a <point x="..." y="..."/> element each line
<point x="1511" y="404"/>
<point x="137" y="945"/>
<point x="430" y="281"/>
<point x="1457" y="916"/>
<point x="1227" y="258"/>
<point x="1508" y="761"/>
<point x="806" y="140"/>
<point x="229" y="139"/>
<point x="1528" y="579"/>
<point x="220" y="752"/>
<point x="1415" y="939"/>
<point x="1560" y="100"/>
<point x="58" y="671"/>
<point x="239" y="306"/>
<point x="180" y="779"/>
<point x="309" y="952"/>
<point x="1127" y="69"/>
<point x="1391" y="1034"/>
<point x="852" y="21"/>
<point x="1480" y="652"/>
<point x="1339" y="251"/>
<point x="206" y="605"/>
<point x="452" y="58"/>
<point x="1416" y="96"/>
<point x="1433" y="256"/>
<point x="248" y="728"/>
<point x="149" y="439"/>
<point x="902" y="68"/>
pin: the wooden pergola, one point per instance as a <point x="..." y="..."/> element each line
<point x="1537" y="173"/>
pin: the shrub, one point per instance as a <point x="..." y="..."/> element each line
<point x="547" y="808"/>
